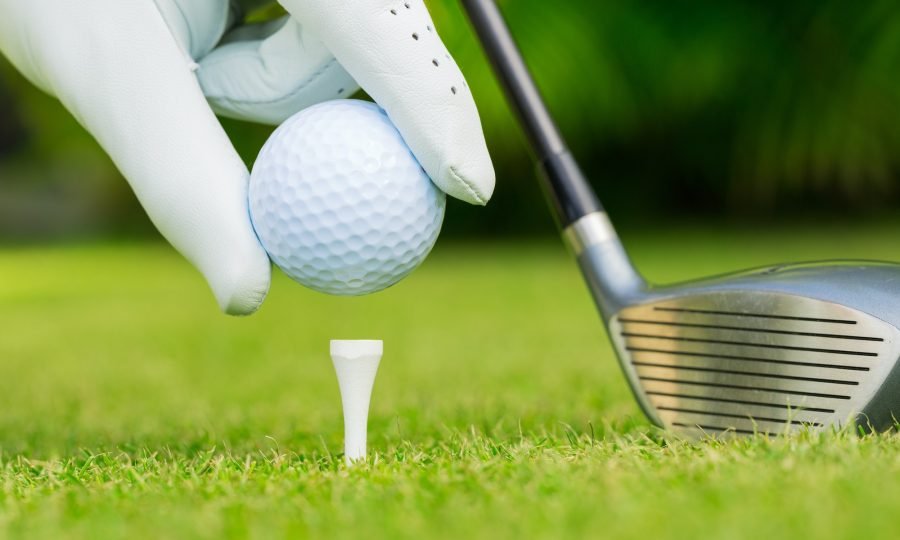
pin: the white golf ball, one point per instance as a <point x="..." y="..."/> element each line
<point x="339" y="201"/>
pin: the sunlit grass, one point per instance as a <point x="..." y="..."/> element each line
<point x="129" y="406"/>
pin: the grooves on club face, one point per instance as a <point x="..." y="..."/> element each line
<point x="806" y="346"/>
<point x="753" y="362"/>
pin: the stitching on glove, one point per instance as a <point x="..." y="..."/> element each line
<point x="287" y="97"/>
<point x="468" y="186"/>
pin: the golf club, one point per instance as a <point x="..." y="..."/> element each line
<point x="774" y="350"/>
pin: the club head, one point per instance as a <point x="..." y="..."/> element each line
<point x="801" y="346"/>
<point x="776" y="350"/>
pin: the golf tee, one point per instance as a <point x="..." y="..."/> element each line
<point x="356" y="363"/>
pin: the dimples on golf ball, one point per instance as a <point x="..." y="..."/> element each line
<point x="339" y="201"/>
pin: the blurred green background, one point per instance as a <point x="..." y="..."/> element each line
<point x="739" y="109"/>
<point x="755" y="131"/>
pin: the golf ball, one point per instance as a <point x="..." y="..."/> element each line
<point x="340" y="203"/>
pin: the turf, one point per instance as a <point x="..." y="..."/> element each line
<point x="130" y="407"/>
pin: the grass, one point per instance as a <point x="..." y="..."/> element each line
<point x="130" y="407"/>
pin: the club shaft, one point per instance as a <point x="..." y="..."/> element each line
<point x="610" y="275"/>
<point x="571" y="195"/>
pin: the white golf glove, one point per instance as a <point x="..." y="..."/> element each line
<point x="142" y="75"/>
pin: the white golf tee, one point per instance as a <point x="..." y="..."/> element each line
<point x="356" y="363"/>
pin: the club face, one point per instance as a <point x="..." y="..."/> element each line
<point x="776" y="350"/>
<point x="750" y="362"/>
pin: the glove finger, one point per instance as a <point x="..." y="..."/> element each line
<point x="269" y="78"/>
<point x="392" y="49"/>
<point x="133" y="88"/>
<point x="197" y="25"/>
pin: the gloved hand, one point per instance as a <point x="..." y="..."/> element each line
<point x="137" y="75"/>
